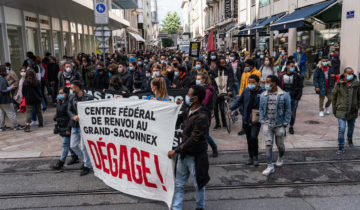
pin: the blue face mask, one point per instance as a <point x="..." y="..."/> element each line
<point x="213" y="57"/>
<point x="324" y="63"/>
<point x="268" y="87"/>
<point x="198" y="82"/>
<point x="262" y="56"/>
<point x="258" y="53"/>
<point x="61" y="97"/>
<point x="247" y="68"/>
<point x="187" y="100"/>
<point x="139" y="63"/>
<point x="110" y="74"/>
<point x="349" y="77"/>
<point x="71" y="92"/>
<point x="28" y="62"/>
<point x="298" y="51"/>
<point x="148" y="75"/>
<point x="197" y="67"/>
<point x="251" y="87"/>
<point x="195" y="59"/>
<point x="131" y="68"/>
<point x="176" y="74"/>
<point x="282" y="54"/>
<point x="292" y="69"/>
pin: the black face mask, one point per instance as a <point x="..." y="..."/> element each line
<point x="175" y="64"/>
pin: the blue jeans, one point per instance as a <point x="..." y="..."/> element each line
<point x="211" y="142"/>
<point x="342" y="128"/>
<point x="77" y="144"/>
<point x="294" y="105"/>
<point x="184" y="168"/>
<point x="66" y="148"/>
<point x="236" y="88"/>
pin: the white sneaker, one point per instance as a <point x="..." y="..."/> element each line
<point x="34" y="123"/>
<point x="269" y="170"/>
<point x="321" y="114"/>
<point x="327" y="111"/>
<point x="279" y="162"/>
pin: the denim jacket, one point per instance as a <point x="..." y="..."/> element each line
<point x="283" y="108"/>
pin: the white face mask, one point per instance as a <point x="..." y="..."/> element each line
<point x="23" y="74"/>
<point x="68" y="69"/>
<point x="156" y="74"/>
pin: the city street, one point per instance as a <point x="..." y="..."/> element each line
<point x="313" y="176"/>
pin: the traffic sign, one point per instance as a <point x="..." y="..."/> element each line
<point x="103" y="50"/>
<point x="102" y="33"/>
<point x="101" y="28"/>
<point x="102" y="38"/>
<point x="101" y="11"/>
<point x="103" y="46"/>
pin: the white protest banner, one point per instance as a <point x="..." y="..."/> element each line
<point x="128" y="141"/>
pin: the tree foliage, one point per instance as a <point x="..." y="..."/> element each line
<point x="171" y="23"/>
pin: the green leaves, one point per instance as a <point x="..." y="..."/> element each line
<point x="171" y="23"/>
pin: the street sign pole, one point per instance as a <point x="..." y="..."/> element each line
<point x="104" y="43"/>
<point x="102" y="33"/>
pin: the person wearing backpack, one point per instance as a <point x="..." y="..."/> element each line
<point x="250" y="101"/>
<point x="63" y="128"/>
<point x="203" y="79"/>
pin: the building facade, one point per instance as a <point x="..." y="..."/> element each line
<point x="60" y="27"/>
<point x="222" y="17"/>
<point x="315" y="25"/>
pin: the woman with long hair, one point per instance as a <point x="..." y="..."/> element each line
<point x="32" y="93"/>
<point x="266" y="70"/>
<point x="158" y="87"/>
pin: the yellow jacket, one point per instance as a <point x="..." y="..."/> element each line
<point x="245" y="78"/>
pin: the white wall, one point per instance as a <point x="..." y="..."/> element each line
<point x="12" y="16"/>
<point x="350" y="36"/>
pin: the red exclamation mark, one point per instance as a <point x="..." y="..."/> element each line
<point x="156" y="160"/>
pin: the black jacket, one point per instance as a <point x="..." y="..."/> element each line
<point x="72" y="107"/>
<point x="62" y="118"/>
<point x="239" y="70"/>
<point x="183" y="81"/>
<point x="75" y="75"/>
<point x="194" y="142"/>
<point x="4" y="93"/>
<point x="295" y="90"/>
<point x="101" y="81"/>
<point x="53" y="71"/>
<point x="32" y="94"/>
<point x="127" y="80"/>
<point x="138" y="78"/>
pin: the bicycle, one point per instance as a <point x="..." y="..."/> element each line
<point x="232" y="118"/>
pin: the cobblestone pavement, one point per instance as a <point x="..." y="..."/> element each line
<point x="311" y="132"/>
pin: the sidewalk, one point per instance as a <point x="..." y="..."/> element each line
<point x="311" y="132"/>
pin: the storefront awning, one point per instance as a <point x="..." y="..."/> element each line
<point x="245" y="31"/>
<point x="297" y="18"/>
<point x="260" y="28"/>
<point x="137" y="37"/>
<point x="126" y="4"/>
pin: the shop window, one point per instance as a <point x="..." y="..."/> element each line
<point x="67" y="44"/>
<point x="57" y="48"/>
<point x="32" y="40"/>
<point x="2" y="56"/>
<point x="73" y="44"/>
<point x="45" y="41"/>
<point x="15" y="46"/>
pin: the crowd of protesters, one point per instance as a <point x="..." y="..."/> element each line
<point x="266" y="91"/>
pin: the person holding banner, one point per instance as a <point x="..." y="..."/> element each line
<point x="192" y="158"/>
<point x="78" y="95"/>
<point x="158" y="87"/>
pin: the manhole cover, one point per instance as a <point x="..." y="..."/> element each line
<point x="312" y="122"/>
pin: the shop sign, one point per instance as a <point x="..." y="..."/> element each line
<point x="350" y="14"/>
<point x="194" y="49"/>
<point x="33" y="19"/>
